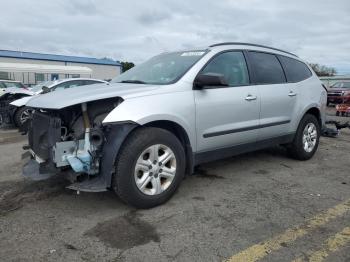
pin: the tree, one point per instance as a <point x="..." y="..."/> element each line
<point x="127" y="65"/>
<point x="322" y="70"/>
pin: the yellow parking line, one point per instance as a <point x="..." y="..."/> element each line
<point x="262" y="249"/>
<point x="332" y="244"/>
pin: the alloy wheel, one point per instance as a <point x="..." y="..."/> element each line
<point x="155" y="169"/>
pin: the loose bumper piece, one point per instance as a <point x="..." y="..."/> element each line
<point x="34" y="171"/>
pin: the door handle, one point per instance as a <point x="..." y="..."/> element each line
<point x="250" y="98"/>
<point x="291" y="93"/>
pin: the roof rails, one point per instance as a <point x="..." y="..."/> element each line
<point x="264" y="46"/>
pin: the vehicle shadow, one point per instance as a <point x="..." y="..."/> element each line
<point x="15" y="194"/>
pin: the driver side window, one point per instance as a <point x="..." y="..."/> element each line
<point x="232" y="66"/>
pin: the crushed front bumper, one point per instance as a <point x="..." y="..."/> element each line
<point x="50" y="155"/>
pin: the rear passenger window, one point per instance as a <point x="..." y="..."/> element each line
<point x="296" y="71"/>
<point x="232" y="66"/>
<point x="267" y="68"/>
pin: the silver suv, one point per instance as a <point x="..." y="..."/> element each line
<point x="140" y="134"/>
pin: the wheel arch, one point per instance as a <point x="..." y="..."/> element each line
<point x="181" y="134"/>
<point x="315" y="112"/>
<point x="118" y="133"/>
<point x="313" y="109"/>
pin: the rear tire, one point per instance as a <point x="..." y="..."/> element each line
<point x="306" y="139"/>
<point x="134" y="165"/>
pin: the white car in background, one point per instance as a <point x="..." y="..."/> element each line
<point x="19" y="113"/>
<point x="6" y="85"/>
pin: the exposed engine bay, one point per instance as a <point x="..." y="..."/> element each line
<point x="70" y="137"/>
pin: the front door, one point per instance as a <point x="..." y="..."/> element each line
<point x="227" y="116"/>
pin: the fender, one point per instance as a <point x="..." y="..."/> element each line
<point x="175" y="107"/>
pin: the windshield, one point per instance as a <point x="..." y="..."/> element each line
<point x="163" y="69"/>
<point x="38" y="87"/>
<point x="341" y="85"/>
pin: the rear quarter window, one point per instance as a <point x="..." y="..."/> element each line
<point x="295" y="70"/>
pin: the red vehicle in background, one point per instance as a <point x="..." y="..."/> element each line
<point x="342" y="110"/>
<point x="339" y="93"/>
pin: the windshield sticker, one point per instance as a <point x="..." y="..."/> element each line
<point x="192" y="53"/>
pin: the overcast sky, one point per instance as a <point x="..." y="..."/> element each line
<point x="317" y="31"/>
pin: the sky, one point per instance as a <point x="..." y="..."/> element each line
<point x="317" y="31"/>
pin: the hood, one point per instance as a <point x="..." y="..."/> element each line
<point x="21" y="102"/>
<point x="68" y="97"/>
<point x="16" y="90"/>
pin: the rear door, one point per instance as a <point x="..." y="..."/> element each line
<point x="278" y="99"/>
<point x="227" y="116"/>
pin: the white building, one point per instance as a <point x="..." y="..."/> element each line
<point x="32" y="68"/>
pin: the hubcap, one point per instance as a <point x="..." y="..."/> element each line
<point x="155" y="169"/>
<point x="309" y="137"/>
<point x="25" y="115"/>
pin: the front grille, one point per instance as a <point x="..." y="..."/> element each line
<point x="43" y="133"/>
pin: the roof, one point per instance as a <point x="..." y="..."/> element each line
<point x="41" y="68"/>
<point x="249" y="44"/>
<point x="62" y="58"/>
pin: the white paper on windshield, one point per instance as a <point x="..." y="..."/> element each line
<point x="198" y="53"/>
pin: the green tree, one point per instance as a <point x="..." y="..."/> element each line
<point x="322" y="70"/>
<point x="127" y="65"/>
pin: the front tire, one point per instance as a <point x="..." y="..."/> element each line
<point x="306" y="139"/>
<point x="149" y="168"/>
<point x="21" y="116"/>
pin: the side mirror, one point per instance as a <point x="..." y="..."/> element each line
<point x="209" y="80"/>
<point x="45" y="90"/>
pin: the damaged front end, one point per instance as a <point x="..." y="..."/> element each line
<point x="7" y="111"/>
<point x="74" y="141"/>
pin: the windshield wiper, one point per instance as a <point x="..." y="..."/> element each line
<point x="133" y="81"/>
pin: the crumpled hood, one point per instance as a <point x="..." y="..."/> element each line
<point x="68" y="97"/>
<point x="22" y="101"/>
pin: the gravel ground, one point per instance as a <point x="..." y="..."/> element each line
<point x="226" y="207"/>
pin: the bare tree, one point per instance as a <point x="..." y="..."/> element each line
<point x="322" y="70"/>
